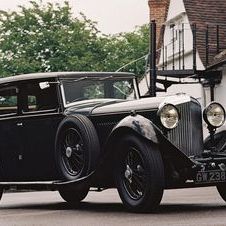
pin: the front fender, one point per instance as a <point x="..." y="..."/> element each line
<point x="147" y="129"/>
<point x="138" y="124"/>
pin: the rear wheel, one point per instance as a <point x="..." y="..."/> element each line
<point x="1" y="192"/>
<point x="77" y="147"/>
<point x="73" y="196"/>
<point x="139" y="174"/>
<point x="221" y="188"/>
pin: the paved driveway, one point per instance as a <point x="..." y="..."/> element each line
<point x="199" y="206"/>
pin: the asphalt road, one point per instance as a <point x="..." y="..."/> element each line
<point x="199" y="206"/>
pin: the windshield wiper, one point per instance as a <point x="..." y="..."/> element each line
<point x="74" y="80"/>
<point x="105" y="78"/>
<point x="120" y="90"/>
<point x="94" y="78"/>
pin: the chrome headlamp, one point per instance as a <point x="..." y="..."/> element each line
<point x="214" y="115"/>
<point x="169" y="116"/>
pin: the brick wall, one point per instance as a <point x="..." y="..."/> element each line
<point x="158" y="12"/>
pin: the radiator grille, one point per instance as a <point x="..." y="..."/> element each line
<point x="188" y="136"/>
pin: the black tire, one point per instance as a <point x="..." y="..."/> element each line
<point x="73" y="197"/>
<point x="1" y="193"/>
<point x="77" y="147"/>
<point x="221" y="188"/>
<point x="139" y="174"/>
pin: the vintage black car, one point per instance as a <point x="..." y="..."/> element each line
<point x="73" y="131"/>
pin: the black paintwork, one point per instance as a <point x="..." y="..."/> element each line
<point x="27" y="139"/>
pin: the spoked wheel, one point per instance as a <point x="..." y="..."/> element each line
<point x="221" y="188"/>
<point x="77" y="147"/>
<point x="72" y="151"/>
<point x="139" y="174"/>
<point x="134" y="178"/>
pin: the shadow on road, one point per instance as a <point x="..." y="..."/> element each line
<point x="84" y="206"/>
<point x="118" y="207"/>
<point x="184" y="207"/>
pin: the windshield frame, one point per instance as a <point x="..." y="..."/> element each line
<point x="134" y="82"/>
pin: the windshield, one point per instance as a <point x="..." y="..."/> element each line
<point x="99" y="88"/>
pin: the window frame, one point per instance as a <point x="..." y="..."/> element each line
<point x="24" y="99"/>
<point x="7" y="87"/>
<point x="63" y="97"/>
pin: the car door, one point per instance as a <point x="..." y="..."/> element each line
<point x="40" y="119"/>
<point x="11" y="148"/>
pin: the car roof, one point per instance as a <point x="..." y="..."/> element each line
<point x="46" y="75"/>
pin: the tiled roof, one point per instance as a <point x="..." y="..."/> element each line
<point x="202" y="13"/>
<point x="211" y="13"/>
<point x="219" y="58"/>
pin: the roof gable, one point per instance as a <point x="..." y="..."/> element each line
<point x="208" y="14"/>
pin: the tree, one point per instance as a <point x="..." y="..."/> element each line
<point x="42" y="38"/>
<point x="123" y="48"/>
<point x="46" y="38"/>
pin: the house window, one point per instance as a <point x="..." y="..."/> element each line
<point x="176" y="31"/>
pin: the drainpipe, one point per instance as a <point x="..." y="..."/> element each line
<point x="152" y="60"/>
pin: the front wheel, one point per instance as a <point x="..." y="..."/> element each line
<point x="221" y="188"/>
<point x="139" y="174"/>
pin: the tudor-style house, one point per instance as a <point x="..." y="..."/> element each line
<point x="191" y="48"/>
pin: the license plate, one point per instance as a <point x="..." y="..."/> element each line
<point x="210" y="177"/>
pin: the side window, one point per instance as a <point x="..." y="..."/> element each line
<point x="32" y="103"/>
<point x="37" y="99"/>
<point x="83" y="90"/>
<point x="8" y="101"/>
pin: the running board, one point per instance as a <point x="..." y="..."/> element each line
<point x="49" y="184"/>
<point x="28" y="183"/>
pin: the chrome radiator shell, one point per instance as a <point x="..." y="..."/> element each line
<point x="188" y="135"/>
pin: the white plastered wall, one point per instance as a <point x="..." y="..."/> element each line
<point x="177" y="15"/>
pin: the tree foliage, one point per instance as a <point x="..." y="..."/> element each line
<point x="124" y="48"/>
<point x="42" y="38"/>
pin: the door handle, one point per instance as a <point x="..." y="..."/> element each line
<point x="19" y="124"/>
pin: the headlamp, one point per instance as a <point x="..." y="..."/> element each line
<point x="169" y="116"/>
<point x="214" y="115"/>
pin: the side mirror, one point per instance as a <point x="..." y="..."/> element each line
<point x="44" y="85"/>
<point x="2" y="99"/>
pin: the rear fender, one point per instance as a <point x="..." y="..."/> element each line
<point x="146" y="128"/>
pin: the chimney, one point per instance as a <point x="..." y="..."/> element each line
<point x="158" y="12"/>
